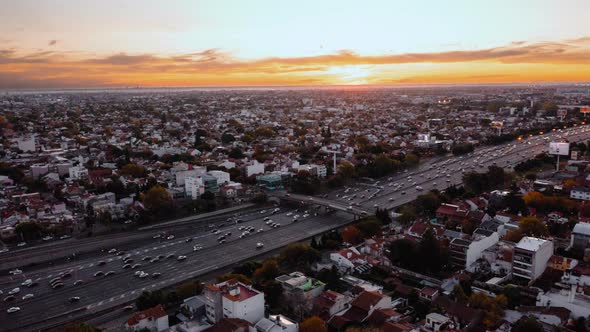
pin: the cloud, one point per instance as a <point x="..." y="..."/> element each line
<point x="52" y="42"/>
<point x="216" y="67"/>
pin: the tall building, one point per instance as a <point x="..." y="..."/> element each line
<point x="530" y="258"/>
<point x="233" y="299"/>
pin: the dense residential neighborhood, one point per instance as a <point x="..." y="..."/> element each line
<point x="507" y="246"/>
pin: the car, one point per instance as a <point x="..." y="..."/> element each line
<point x="57" y="285"/>
<point x="128" y="261"/>
<point x="146" y="258"/>
<point x="9" y="298"/>
<point x="157" y="236"/>
<point x="137" y="273"/>
<point x="222" y="241"/>
<point x="135" y="266"/>
<point x="110" y="273"/>
<point x="28" y="296"/>
<point x="112" y="251"/>
<point x="289" y="214"/>
<point x="170" y="256"/>
<point x="154" y="260"/>
<point x="403" y="192"/>
<point x="144" y="275"/>
<point x="101" y="263"/>
<point x="99" y="274"/>
<point x="21" y="244"/>
<point x="259" y="245"/>
<point x="266" y="218"/>
<point x="14" y="291"/>
<point x="126" y="266"/>
<point x="188" y="240"/>
<point x="78" y="282"/>
<point x="181" y="258"/>
<point x="170" y="237"/>
<point x="65" y="275"/>
<point x="74" y="299"/>
<point x="228" y="234"/>
<point x="197" y="248"/>
<point x="120" y="253"/>
<point x="47" y="238"/>
<point x="156" y="275"/>
<point x="260" y="230"/>
<point x="3" y="250"/>
<point x="161" y="256"/>
<point x="54" y="280"/>
<point x="13" y="310"/>
<point x="26" y="282"/>
<point x="63" y="237"/>
<point x="128" y="308"/>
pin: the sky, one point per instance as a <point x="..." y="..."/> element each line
<point x="112" y="43"/>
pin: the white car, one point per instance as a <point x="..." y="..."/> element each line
<point x="170" y="237"/>
<point x="21" y="244"/>
<point x="181" y="258"/>
<point x="13" y="310"/>
<point x="259" y="245"/>
<point x="27" y="282"/>
<point x="14" y="291"/>
<point x="112" y="251"/>
<point x="144" y="275"/>
<point x="197" y="248"/>
<point x="28" y="296"/>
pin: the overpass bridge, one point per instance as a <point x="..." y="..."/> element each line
<point x="356" y="211"/>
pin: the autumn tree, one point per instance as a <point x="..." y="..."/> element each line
<point x="528" y="226"/>
<point x="239" y="277"/>
<point x="268" y="271"/>
<point x="352" y="235"/>
<point x="189" y="289"/>
<point x="492" y="307"/>
<point x="312" y="324"/>
<point x="157" y="197"/>
<point x="299" y="255"/>
<point x="134" y="170"/>
<point x="527" y="324"/>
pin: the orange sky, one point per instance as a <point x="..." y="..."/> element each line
<point x="230" y="43"/>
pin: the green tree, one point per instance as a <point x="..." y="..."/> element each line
<point x="331" y="277"/>
<point x="527" y="324"/>
<point x="80" y="327"/>
<point x="299" y="255"/>
<point x="268" y="271"/>
<point x="189" y="289"/>
<point x="150" y="299"/>
<point x="134" y="170"/>
<point x="369" y="227"/>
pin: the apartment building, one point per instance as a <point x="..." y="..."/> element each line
<point x="530" y="258"/>
<point x="233" y="299"/>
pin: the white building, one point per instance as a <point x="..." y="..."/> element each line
<point x="194" y="187"/>
<point x="434" y="321"/>
<point x="78" y="172"/>
<point x="316" y="170"/>
<point x="154" y="319"/>
<point x="221" y="176"/>
<point x="581" y="193"/>
<point x="233" y="299"/>
<point x="276" y="323"/>
<point x="26" y="143"/>
<point x="38" y="170"/>
<point x="464" y="253"/>
<point x="254" y="168"/>
<point x="580" y="236"/>
<point x="530" y="258"/>
<point x="181" y="176"/>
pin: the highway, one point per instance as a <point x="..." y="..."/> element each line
<point x="102" y="292"/>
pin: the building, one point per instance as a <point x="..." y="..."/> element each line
<point x="581" y="193"/>
<point x="38" y="170"/>
<point x="180" y="176"/>
<point x="296" y="284"/>
<point x="210" y="183"/>
<point x="254" y="168"/>
<point x="194" y="187"/>
<point x="434" y="321"/>
<point x="221" y="176"/>
<point x="464" y="253"/>
<point x="154" y="319"/>
<point x="580" y="236"/>
<point x="270" y="181"/>
<point x="329" y="303"/>
<point x="276" y="323"/>
<point x="78" y="172"/>
<point x="530" y="258"/>
<point x="233" y="299"/>
<point x="26" y="143"/>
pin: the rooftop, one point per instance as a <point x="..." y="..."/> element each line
<point x="530" y="243"/>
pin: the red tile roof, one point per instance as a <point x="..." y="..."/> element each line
<point x="153" y="313"/>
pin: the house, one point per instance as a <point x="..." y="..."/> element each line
<point x="298" y="285"/>
<point x="581" y="193"/>
<point x="233" y="299"/>
<point x="231" y="325"/>
<point x="465" y="252"/>
<point x="276" y="323"/>
<point x="329" y="303"/>
<point x="347" y="259"/>
<point x="451" y="212"/>
<point x="154" y="319"/>
<point x="434" y="321"/>
<point x="580" y="236"/>
<point x="361" y="308"/>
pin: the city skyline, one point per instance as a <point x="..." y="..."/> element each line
<point x="225" y="43"/>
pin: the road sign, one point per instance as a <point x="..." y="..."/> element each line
<point x="559" y="148"/>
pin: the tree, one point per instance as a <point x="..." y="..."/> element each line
<point x="532" y="197"/>
<point x="352" y="235"/>
<point x="150" y="299"/>
<point x="527" y="324"/>
<point x="299" y="255"/>
<point x="493" y="308"/>
<point x="346" y="170"/>
<point x="189" y="289"/>
<point x="247" y="268"/>
<point x="28" y="230"/>
<point x="236" y="153"/>
<point x="239" y="277"/>
<point x="369" y="227"/>
<point x="80" y="327"/>
<point x="134" y="170"/>
<point x="227" y="138"/>
<point x="273" y="292"/>
<point x="331" y="277"/>
<point x="402" y="253"/>
<point x="528" y="226"/>
<point x="268" y="271"/>
<point x="156" y="198"/>
<point x="313" y="324"/>
<point x="429" y="253"/>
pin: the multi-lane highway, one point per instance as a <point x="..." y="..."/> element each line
<point x="204" y="252"/>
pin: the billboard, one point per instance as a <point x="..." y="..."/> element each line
<point x="559" y="148"/>
<point x="585" y="109"/>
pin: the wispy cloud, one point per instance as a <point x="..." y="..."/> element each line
<point x="52" y="42"/>
<point x="216" y="67"/>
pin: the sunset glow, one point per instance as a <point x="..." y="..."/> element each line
<point x="231" y="43"/>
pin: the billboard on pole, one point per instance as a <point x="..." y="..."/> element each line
<point x="559" y="148"/>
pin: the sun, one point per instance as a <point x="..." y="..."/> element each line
<point x="351" y="74"/>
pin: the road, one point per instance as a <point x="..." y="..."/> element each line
<point x="98" y="293"/>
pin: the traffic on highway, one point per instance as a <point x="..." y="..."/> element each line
<point x="118" y="275"/>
